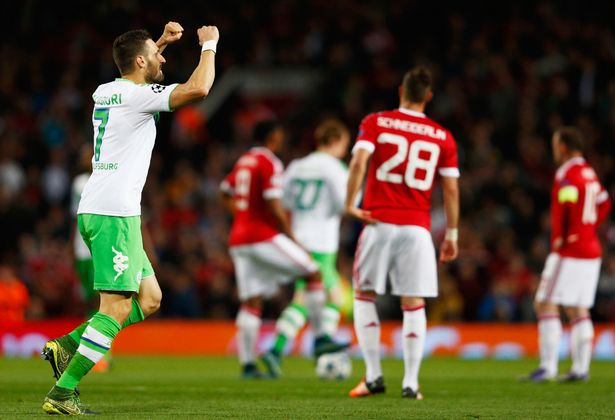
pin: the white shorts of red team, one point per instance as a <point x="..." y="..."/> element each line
<point x="401" y="254"/>
<point x="260" y="268"/>
<point x="569" y="281"/>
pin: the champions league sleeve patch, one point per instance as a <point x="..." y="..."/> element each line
<point x="158" y="88"/>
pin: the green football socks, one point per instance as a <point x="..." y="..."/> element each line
<point x="71" y="340"/>
<point x="288" y="325"/>
<point x="136" y="314"/>
<point x="94" y="344"/>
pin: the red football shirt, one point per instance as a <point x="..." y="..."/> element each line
<point x="407" y="150"/>
<point x="256" y="177"/>
<point x="579" y="203"/>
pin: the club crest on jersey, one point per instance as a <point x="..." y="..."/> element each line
<point x="157" y="88"/>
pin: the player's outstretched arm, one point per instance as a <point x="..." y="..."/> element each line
<point x="448" y="249"/>
<point x="200" y="81"/>
<point x="356" y="174"/>
<point x="172" y="32"/>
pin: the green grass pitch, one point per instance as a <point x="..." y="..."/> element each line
<point x="204" y="387"/>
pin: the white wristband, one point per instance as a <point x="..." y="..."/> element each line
<point x="452" y="234"/>
<point x="209" y="45"/>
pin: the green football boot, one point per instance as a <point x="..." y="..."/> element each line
<point x="59" y="356"/>
<point x="324" y="344"/>
<point x="273" y="363"/>
<point x="64" y="402"/>
<point x="251" y="371"/>
<point x="69" y="407"/>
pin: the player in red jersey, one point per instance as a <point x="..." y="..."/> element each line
<point x="262" y="245"/>
<point x="402" y="151"/>
<point x="579" y="204"/>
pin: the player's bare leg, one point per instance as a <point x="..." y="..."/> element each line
<point x="367" y="329"/>
<point x="413" y="343"/>
<point x="150" y="296"/>
<point x="144" y="304"/>
<point x="549" y="334"/>
<point x="248" y="324"/>
<point x="116" y="305"/>
<point x="581" y="343"/>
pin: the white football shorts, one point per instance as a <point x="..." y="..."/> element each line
<point x="261" y="267"/>
<point x="569" y="281"/>
<point x="403" y="254"/>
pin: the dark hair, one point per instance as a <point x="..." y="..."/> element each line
<point x="328" y="130"/>
<point x="416" y="84"/>
<point x="127" y="46"/>
<point x="263" y="129"/>
<point x="572" y="138"/>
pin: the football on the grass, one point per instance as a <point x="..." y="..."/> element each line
<point x="332" y="366"/>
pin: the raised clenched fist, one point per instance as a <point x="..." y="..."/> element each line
<point x="172" y="32"/>
<point x="207" y="33"/>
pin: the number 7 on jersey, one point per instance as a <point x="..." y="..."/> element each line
<point x="101" y="115"/>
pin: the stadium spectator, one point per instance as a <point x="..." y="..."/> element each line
<point x="14" y="297"/>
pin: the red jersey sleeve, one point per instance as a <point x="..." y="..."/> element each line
<point x="368" y="134"/>
<point x="448" y="164"/>
<point x="272" y="171"/>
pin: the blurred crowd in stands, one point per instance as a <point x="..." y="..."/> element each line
<point x="506" y="76"/>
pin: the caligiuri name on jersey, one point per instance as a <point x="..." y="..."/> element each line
<point x="114" y="99"/>
<point x="411" y="127"/>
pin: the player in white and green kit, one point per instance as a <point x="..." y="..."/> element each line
<point x="109" y="214"/>
<point x="314" y="192"/>
<point x="84" y="265"/>
<point x="83" y="257"/>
